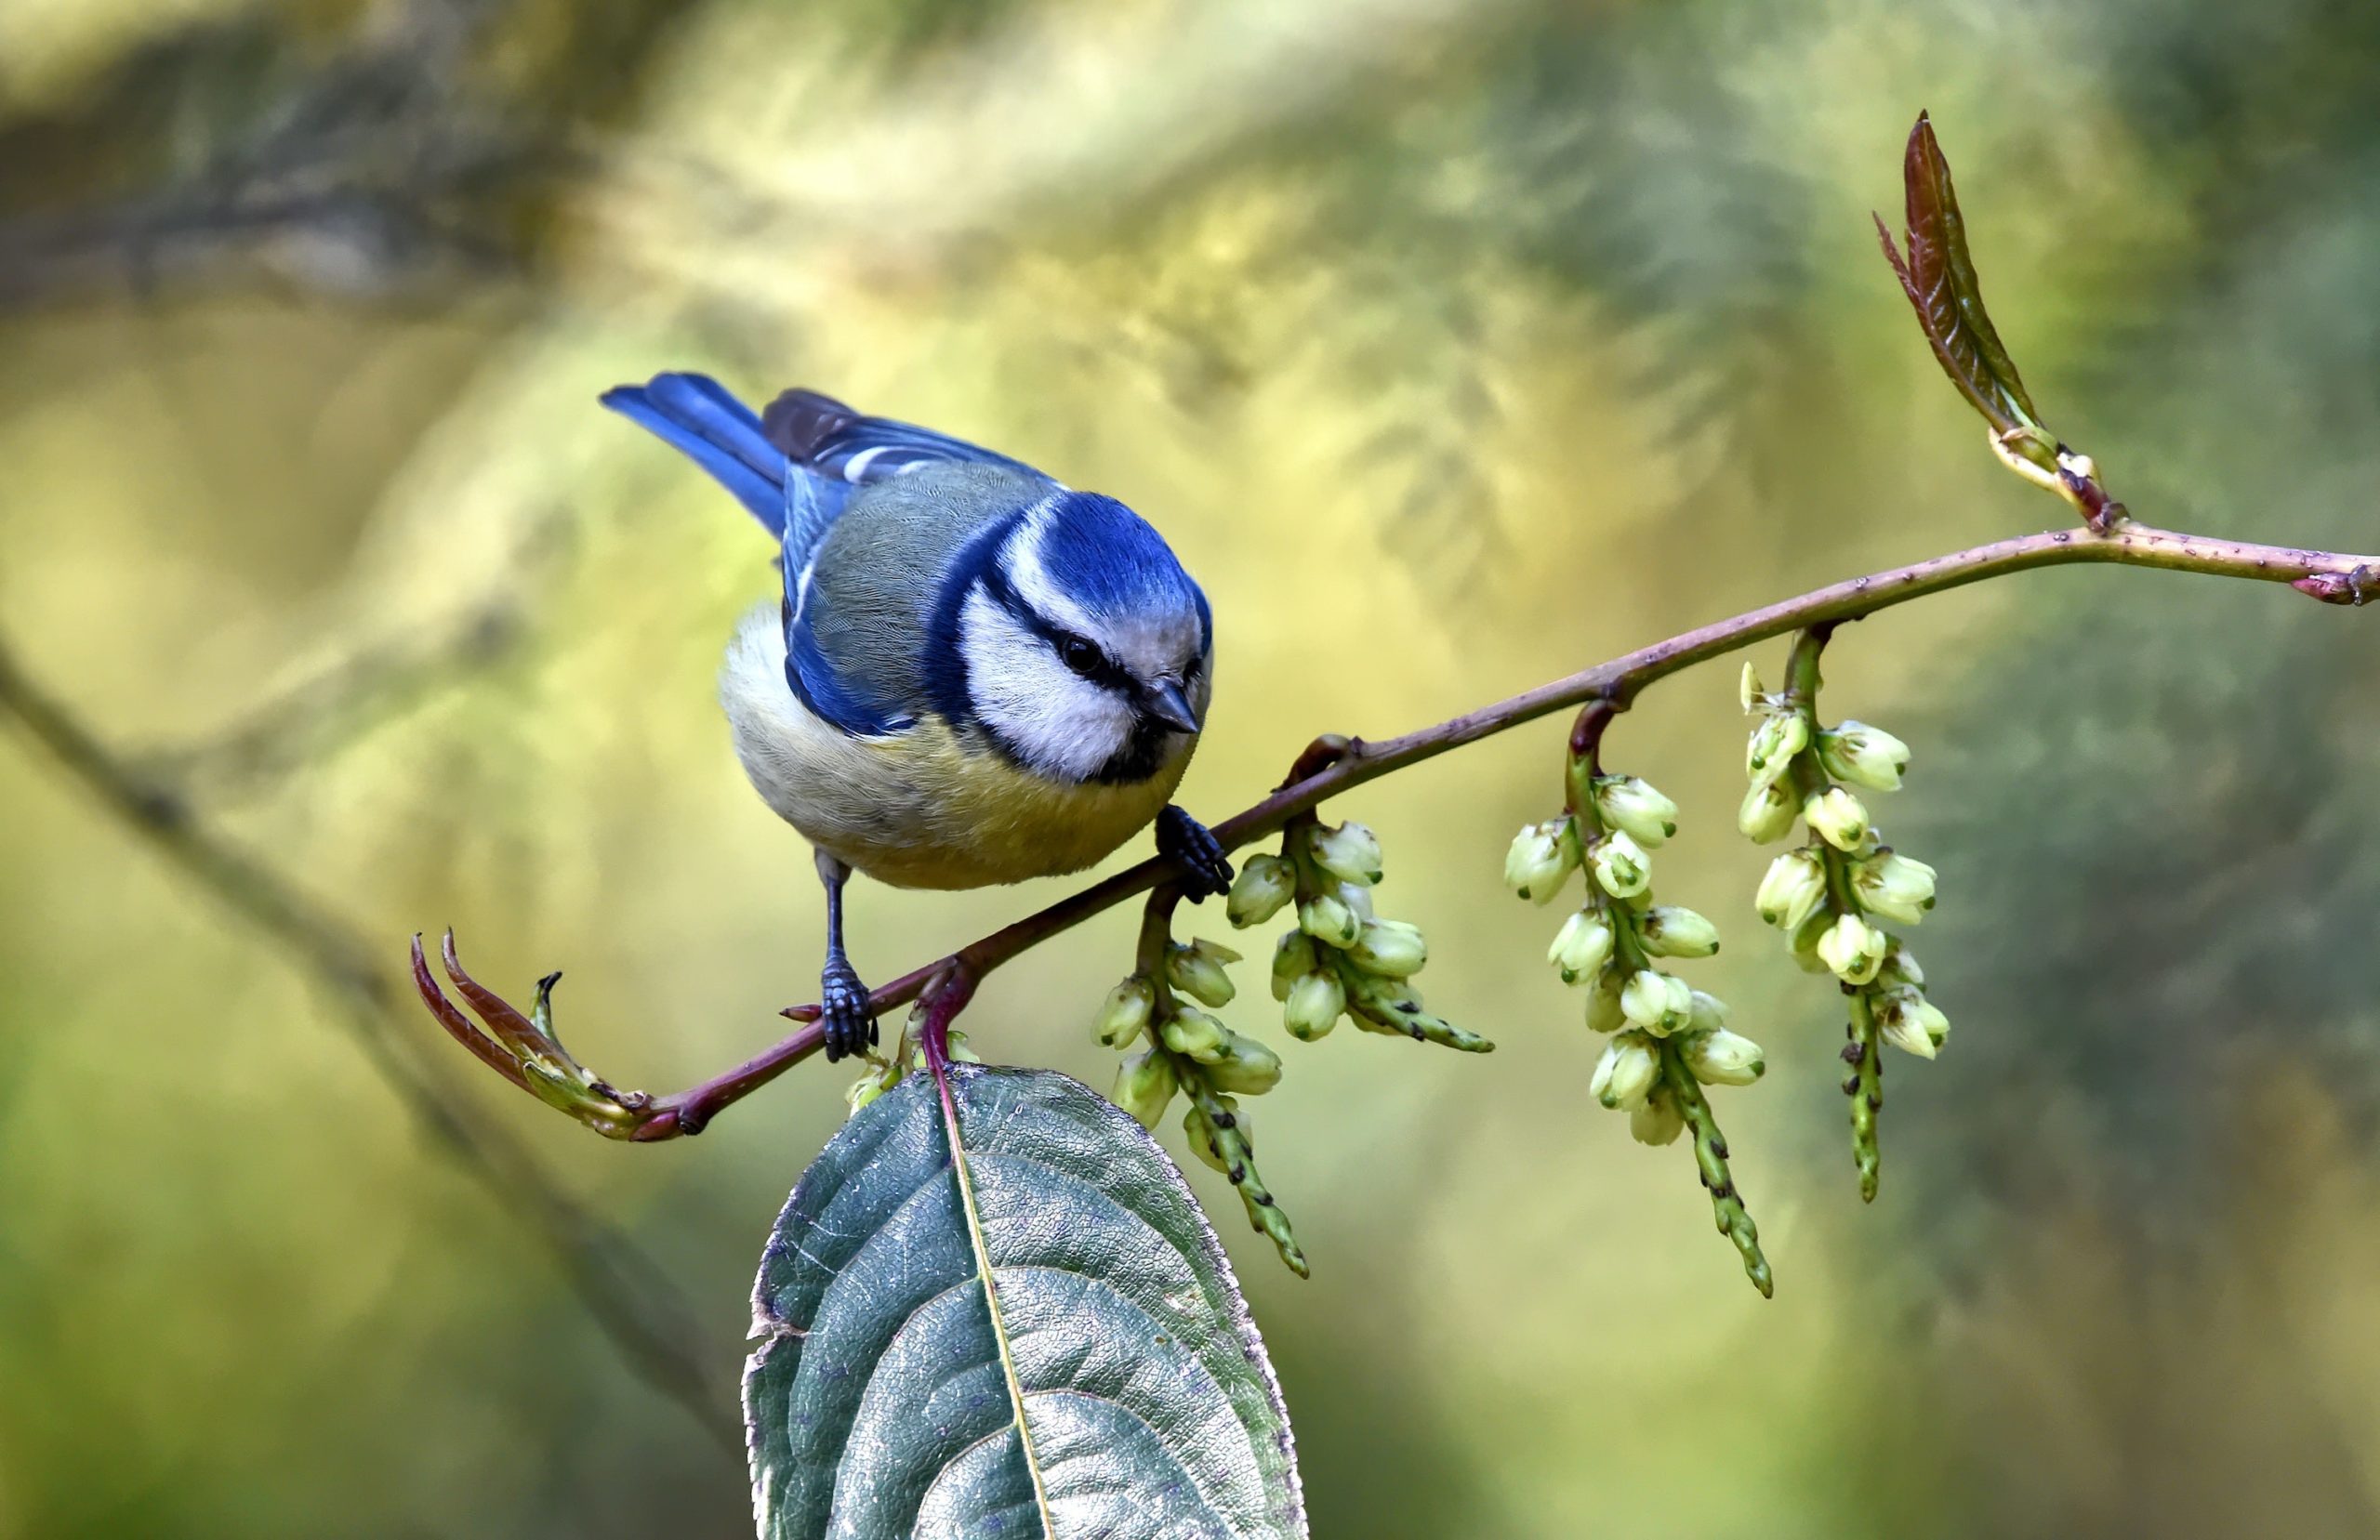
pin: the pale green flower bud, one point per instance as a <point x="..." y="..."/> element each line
<point x="1199" y="1135"/>
<point x="1852" y="949"/>
<point x="1197" y="971"/>
<point x="1124" y="1013"/>
<point x="1350" y="852"/>
<point x="1247" y="1068"/>
<point x="1894" y="887"/>
<point x="1805" y="940"/>
<point x="1194" y="1035"/>
<point x="866" y="1088"/>
<point x="1293" y="958"/>
<point x="1672" y="930"/>
<point x="1911" y="1022"/>
<point x="1660" y="1003"/>
<point x="1144" y="1085"/>
<point x="1603" y="1013"/>
<point x="1316" y="1002"/>
<point x="1581" y="946"/>
<point x="1542" y="856"/>
<point x="1621" y="867"/>
<point x="1773" y="745"/>
<point x="1900" y="968"/>
<point x="1864" y="756"/>
<point x="1836" y="817"/>
<point x="1722" y="1057"/>
<point x="1329" y="920"/>
<point x="1709" y="1012"/>
<point x="1660" y="1120"/>
<point x="1749" y="690"/>
<point x="1626" y="1073"/>
<point x="1791" y="890"/>
<point x="1358" y="900"/>
<point x="1390" y="948"/>
<point x="1768" y="812"/>
<point x="1265" y="884"/>
<point x="1629" y="802"/>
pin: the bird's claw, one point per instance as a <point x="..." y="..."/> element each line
<point x="1192" y="847"/>
<point x="525" y="1049"/>
<point x="843" y="1009"/>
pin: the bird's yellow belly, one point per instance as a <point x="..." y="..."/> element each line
<point x="922" y="808"/>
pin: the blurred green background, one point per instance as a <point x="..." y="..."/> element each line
<point x="1455" y="345"/>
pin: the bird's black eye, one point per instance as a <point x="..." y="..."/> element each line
<point x="1081" y="656"/>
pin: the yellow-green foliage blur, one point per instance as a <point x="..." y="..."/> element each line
<point x="1455" y="345"/>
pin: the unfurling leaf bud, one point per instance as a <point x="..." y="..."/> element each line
<point x="866" y="1088"/>
<point x="1603" y="1013"/>
<point x="1660" y="1120"/>
<point x="1621" y="865"/>
<point x="1144" y="1085"/>
<point x="1768" y="812"/>
<point x="1773" y="745"/>
<point x="1329" y="920"/>
<point x="1660" y="1003"/>
<point x="1672" y="930"/>
<point x="1293" y="958"/>
<point x="1722" y="1057"/>
<point x="1542" y="854"/>
<point x="1709" y="1012"/>
<point x="1350" y="852"/>
<point x="1194" y="1035"/>
<point x="1749" y="688"/>
<point x="1390" y="948"/>
<point x="1864" y="756"/>
<point x="1197" y="971"/>
<point x="1894" y="887"/>
<point x="1581" y="946"/>
<point x="1629" y="802"/>
<point x="1316" y="1002"/>
<point x="1911" y="1022"/>
<point x="1836" y="817"/>
<point x="1852" y="949"/>
<point x="959" y="1052"/>
<point x="1264" y="884"/>
<point x="1124" y="1013"/>
<point x="1791" y="890"/>
<point x="1629" y="1066"/>
<point x="1247" y="1068"/>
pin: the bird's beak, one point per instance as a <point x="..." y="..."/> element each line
<point x="1170" y="705"/>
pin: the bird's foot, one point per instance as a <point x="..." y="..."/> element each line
<point x="1191" y="845"/>
<point x="843" y="1009"/>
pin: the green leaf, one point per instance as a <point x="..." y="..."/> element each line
<point x="1109" y="1381"/>
<point x="1939" y="279"/>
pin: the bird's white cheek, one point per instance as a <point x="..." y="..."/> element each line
<point x="1058" y="722"/>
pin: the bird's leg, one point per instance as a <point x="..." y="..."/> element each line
<point x="1191" y="845"/>
<point x="842" y="999"/>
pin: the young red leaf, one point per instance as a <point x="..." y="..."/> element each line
<point x="1938" y="277"/>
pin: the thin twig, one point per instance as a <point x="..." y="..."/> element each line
<point x="629" y="1296"/>
<point x="1330" y="766"/>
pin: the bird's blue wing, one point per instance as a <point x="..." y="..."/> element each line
<point x="832" y="694"/>
<point x="837" y="444"/>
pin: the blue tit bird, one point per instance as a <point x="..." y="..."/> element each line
<point x="975" y="674"/>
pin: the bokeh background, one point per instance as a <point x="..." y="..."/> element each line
<point x="1455" y="345"/>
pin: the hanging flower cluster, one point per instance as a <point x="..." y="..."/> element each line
<point x="1668" y="1039"/>
<point x="1832" y="895"/>
<point x="1343" y="960"/>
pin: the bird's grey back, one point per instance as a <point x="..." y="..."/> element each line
<point x="884" y="559"/>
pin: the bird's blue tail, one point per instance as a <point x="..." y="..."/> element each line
<point x="697" y="415"/>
